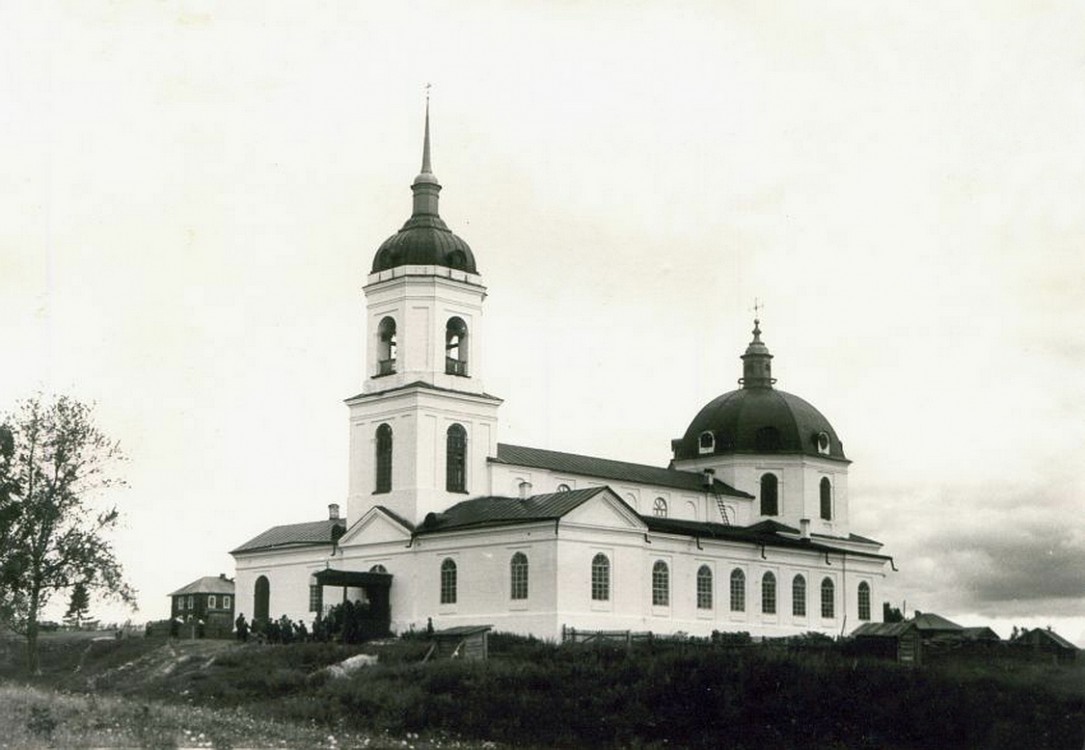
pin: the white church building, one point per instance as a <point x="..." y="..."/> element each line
<point x="746" y="529"/>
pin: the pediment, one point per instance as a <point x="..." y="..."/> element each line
<point x="375" y="527"/>
<point x="605" y="509"/>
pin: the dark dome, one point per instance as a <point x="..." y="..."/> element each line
<point x="425" y="240"/>
<point x="759" y="420"/>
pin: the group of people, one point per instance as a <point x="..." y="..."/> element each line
<point x="282" y="630"/>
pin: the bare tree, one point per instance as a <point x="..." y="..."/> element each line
<point x="53" y="461"/>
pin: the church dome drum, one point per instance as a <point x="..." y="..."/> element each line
<point x="758" y="418"/>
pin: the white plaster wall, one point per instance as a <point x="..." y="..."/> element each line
<point x="420" y="419"/>
<point x="798" y="490"/>
<point x="506" y="478"/>
<point x="422" y="299"/>
<point x="288" y="573"/>
<point x="560" y="582"/>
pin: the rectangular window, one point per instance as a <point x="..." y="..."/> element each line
<point x="190" y="603"/>
<point x="316" y="598"/>
<point x="211" y="601"/>
<point x="225" y="602"/>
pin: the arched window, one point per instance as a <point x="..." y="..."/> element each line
<point x="770" y="505"/>
<point x="518" y="576"/>
<point x="564" y="488"/>
<point x="738" y="591"/>
<point x="600" y="578"/>
<point x="864" y="601"/>
<point x="661" y="584"/>
<point x="798" y="596"/>
<point x="828" y="606"/>
<point x="706" y="443"/>
<point x="378" y="568"/>
<point x="456" y="459"/>
<point x="768" y="594"/>
<point x="261" y="598"/>
<point x="826" y="499"/>
<point x="448" y="581"/>
<point x="456" y="347"/>
<point x="386" y="346"/>
<point x="384" y="458"/>
<point x="704" y="587"/>
<point x="659" y="508"/>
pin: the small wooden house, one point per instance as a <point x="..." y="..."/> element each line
<point x="208" y="600"/>
<point x="1047" y="641"/>
<point x="905" y="641"/>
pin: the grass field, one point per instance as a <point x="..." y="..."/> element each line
<point x="154" y="693"/>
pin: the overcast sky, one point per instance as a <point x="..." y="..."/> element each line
<point x="192" y="193"/>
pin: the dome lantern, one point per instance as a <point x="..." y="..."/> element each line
<point x="757" y="362"/>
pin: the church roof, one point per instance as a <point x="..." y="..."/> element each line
<point x="502" y="511"/>
<point x="207" y="585"/>
<point x="758" y="418"/>
<point x="292" y="535"/>
<point x="605" y="468"/>
<point x="768" y="533"/>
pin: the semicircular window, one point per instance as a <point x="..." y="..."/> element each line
<point x="767" y="439"/>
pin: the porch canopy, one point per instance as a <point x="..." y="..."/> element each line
<point x="375" y="619"/>
<point x="354" y="579"/>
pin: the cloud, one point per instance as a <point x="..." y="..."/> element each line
<point x="993" y="550"/>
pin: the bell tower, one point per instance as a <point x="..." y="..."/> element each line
<point x="423" y="425"/>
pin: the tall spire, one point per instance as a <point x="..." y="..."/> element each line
<point x="425" y="185"/>
<point x="426" y="167"/>
<point x="757" y="362"/>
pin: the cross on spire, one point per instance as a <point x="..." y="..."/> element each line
<point x="758" y="306"/>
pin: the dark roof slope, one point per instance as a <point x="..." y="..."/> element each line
<point x="769" y="533"/>
<point x="1042" y="637"/>
<point x="605" y="468"/>
<point x="759" y="420"/>
<point x="207" y="585"/>
<point x="501" y="511"/>
<point x="292" y="535"/>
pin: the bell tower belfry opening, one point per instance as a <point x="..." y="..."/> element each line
<point x="424" y="302"/>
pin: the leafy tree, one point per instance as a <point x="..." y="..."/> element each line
<point x="78" y="605"/>
<point x="53" y="462"/>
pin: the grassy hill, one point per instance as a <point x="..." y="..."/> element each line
<point x="534" y="694"/>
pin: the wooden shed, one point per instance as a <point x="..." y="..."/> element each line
<point x="463" y="642"/>
<point x="905" y="641"/>
<point x="1046" y="641"/>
